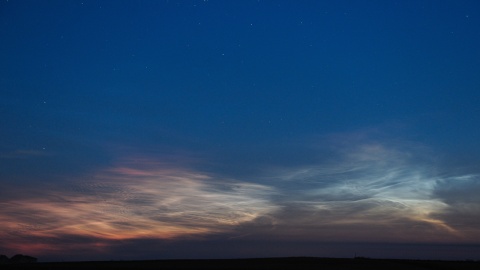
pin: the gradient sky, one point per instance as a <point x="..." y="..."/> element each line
<point x="227" y="129"/>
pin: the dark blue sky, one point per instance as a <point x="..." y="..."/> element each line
<point x="241" y="124"/>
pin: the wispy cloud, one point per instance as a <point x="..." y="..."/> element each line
<point x="135" y="202"/>
<point x="365" y="191"/>
<point x="372" y="190"/>
<point x="461" y="195"/>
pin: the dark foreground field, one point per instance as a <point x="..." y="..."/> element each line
<point x="273" y="263"/>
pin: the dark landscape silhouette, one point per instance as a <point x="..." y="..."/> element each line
<point x="17" y="259"/>
<point x="27" y="262"/>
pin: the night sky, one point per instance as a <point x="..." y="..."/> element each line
<point x="229" y="129"/>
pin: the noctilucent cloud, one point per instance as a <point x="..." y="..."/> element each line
<point x="228" y="129"/>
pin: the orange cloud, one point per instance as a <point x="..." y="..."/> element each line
<point x="130" y="203"/>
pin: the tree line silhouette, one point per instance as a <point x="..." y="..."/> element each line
<point x="19" y="258"/>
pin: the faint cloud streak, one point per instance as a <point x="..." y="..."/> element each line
<point x="23" y="154"/>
